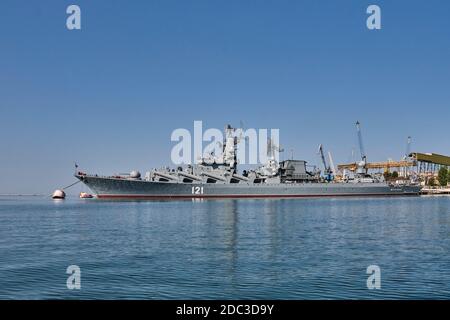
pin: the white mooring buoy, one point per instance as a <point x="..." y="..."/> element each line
<point x="59" y="194"/>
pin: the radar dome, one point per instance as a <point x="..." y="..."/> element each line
<point x="135" y="174"/>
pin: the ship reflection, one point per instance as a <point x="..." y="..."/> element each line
<point x="232" y="227"/>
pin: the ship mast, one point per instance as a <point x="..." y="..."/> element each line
<point x="230" y="146"/>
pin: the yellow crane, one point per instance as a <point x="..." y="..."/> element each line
<point x="378" y="165"/>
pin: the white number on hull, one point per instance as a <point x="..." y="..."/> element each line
<point x="197" y="190"/>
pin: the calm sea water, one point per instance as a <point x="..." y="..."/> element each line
<point x="228" y="249"/>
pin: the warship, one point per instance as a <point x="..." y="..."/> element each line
<point x="218" y="177"/>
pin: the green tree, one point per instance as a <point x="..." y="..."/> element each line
<point x="443" y="176"/>
<point x="395" y="174"/>
<point x="431" y="182"/>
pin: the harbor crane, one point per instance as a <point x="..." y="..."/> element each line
<point x="328" y="172"/>
<point x="362" y="169"/>
<point x="332" y="167"/>
<point x="408" y="148"/>
<point x="363" y="166"/>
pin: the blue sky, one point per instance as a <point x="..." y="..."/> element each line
<point x="109" y="95"/>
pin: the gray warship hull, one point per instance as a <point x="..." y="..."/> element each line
<point x="121" y="188"/>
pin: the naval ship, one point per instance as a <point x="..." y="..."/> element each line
<point x="218" y="177"/>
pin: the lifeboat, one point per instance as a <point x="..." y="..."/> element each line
<point x="84" y="195"/>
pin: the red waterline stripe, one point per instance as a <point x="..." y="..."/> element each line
<point x="139" y="196"/>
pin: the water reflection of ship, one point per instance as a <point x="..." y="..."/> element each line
<point x="231" y="233"/>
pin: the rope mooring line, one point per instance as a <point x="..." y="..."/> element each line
<point x="71" y="185"/>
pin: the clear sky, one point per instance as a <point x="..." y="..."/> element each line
<point x="108" y="96"/>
